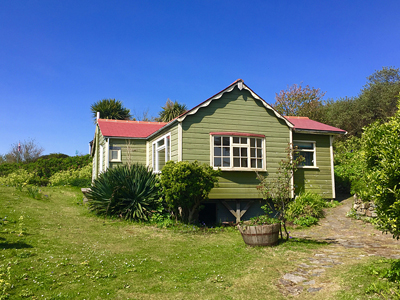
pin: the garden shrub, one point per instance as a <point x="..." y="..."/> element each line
<point x="185" y="185"/>
<point x="381" y="144"/>
<point x="46" y="166"/>
<point x="128" y="192"/>
<point x="80" y="177"/>
<point x="306" y="209"/>
<point x="349" y="165"/>
<point x="18" y="179"/>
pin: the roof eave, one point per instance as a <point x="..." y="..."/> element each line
<point x="324" y="132"/>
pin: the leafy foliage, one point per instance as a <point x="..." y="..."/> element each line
<point x="279" y="190"/>
<point x="300" y="101"/>
<point x="376" y="101"/>
<point x="185" y="185"/>
<point x="44" y="167"/>
<point x="306" y="209"/>
<point x="128" y="192"/>
<point x="349" y="165"/>
<point x="262" y="220"/>
<point x="80" y="177"/>
<point x="171" y="110"/>
<point x="110" y="109"/>
<point x="381" y="144"/>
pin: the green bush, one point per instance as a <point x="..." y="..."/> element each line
<point x="349" y="165"/>
<point x="306" y="209"/>
<point x="381" y="144"/>
<point x="185" y="185"/>
<point x="46" y="166"/>
<point x="18" y="179"/>
<point x="81" y="177"/>
<point x="128" y="192"/>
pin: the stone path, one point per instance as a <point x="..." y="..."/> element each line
<point x="347" y="238"/>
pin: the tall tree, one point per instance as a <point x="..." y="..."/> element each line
<point x="26" y="151"/>
<point x="376" y="101"/>
<point x="110" y="109"/>
<point x="297" y="100"/>
<point x="170" y="111"/>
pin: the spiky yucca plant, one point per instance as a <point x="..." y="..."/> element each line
<point x="128" y="192"/>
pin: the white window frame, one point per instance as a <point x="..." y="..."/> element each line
<point x="156" y="150"/>
<point x="118" y="159"/>
<point x="101" y="158"/>
<point x="231" y="156"/>
<point x="307" y="150"/>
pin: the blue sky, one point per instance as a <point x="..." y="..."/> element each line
<point x="59" y="57"/>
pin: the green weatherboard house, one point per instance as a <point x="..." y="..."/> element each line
<point x="234" y="130"/>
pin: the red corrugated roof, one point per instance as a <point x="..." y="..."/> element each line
<point x="130" y="129"/>
<point x="304" y="123"/>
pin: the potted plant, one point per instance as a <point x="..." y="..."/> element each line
<point x="278" y="193"/>
<point x="260" y="231"/>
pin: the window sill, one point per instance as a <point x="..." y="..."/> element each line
<point x="240" y="169"/>
<point x="308" y="167"/>
<point x="115" y="161"/>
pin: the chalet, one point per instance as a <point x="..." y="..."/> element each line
<point x="236" y="131"/>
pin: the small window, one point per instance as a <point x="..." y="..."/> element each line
<point x="161" y="152"/>
<point x="115" y="155"/>
<point x="307" y="150"/>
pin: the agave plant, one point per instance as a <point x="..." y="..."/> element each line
<point x="128" y="192"/>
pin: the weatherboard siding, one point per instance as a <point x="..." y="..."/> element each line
<point x="132" y="151"/>
<point x="173" y="129"/>
<point x="316" y="180"/>
<point x="236" y="111"/>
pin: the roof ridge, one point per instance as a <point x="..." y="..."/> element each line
<point x="132" y="121"/>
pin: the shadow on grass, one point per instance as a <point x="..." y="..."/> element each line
<point x="17" y="245"/>
<point x="306" y="241"/>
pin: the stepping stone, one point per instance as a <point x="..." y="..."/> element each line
<point x="305" y="266"/>
<point x="311" y="282"/>
<point x="294" y="278"/>
<point x="294" y="290"/>
<point x="319" y="271"/>
<point x="313" y="290"/>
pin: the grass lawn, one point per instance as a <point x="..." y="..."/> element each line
<point x="58" y="250"/>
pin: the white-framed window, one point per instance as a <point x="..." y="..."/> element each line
<point x="307" y="150"/>
<point x="115" y="154"/>
<point x="238" y="152"/>
<point x="101" y="158"/>
<point x="161" y="152"/>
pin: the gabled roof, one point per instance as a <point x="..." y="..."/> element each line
<point x="240" y="85"/>
<point x="306" y="125"/>
<point x="128" y="129"/>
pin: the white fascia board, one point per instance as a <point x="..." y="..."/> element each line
<point x="240" y="85"/>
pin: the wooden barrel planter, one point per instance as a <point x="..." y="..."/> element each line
<point x="260" y="235"/>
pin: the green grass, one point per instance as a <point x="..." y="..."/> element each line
<point x="58" y="250"/>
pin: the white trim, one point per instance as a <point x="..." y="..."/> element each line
<point x="231" y="146"/>
<point x="291" y="159"/>
<point x="155" y="151"/>
<point x="101" y="153"/>
<point x="332" y="168"/>
<point x="107" y="162"/>
<point x="241" y="85"/>
<point x="118" y="159"/>
<point x="147" y="153"/>
<point x="180" y="132"/>
<point x="314" y="166"/>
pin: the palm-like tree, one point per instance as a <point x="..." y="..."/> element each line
<point x="170" y="111"/>
<point x="110" y="109"/>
